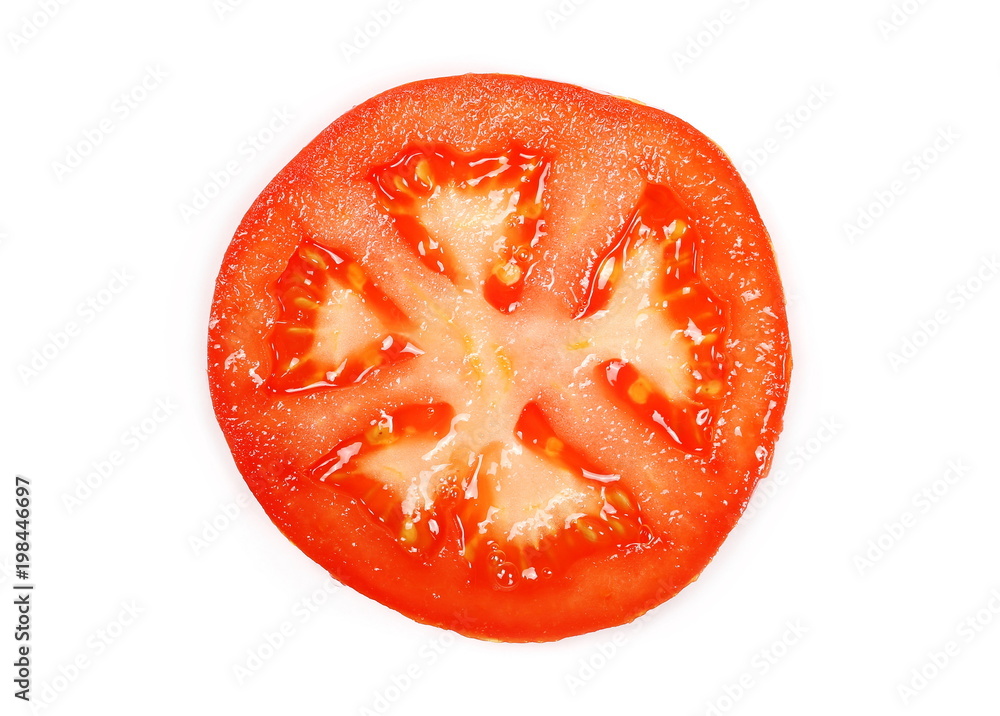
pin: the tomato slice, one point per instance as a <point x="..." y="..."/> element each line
<point x="506" y="355"/>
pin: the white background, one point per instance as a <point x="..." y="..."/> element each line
<point x="865" y="434"/>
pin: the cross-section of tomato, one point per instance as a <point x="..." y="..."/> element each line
<point x="506" y="355"/>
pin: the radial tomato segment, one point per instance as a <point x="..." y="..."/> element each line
<point x="672" y="375"/>
<point x="474" y="217"/>
<point x="533" y="499"/>
<point x="503" y="354"/>
<point x="334" y="326"/>
<point x="391" y="463"/>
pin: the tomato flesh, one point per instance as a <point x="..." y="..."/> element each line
<point x="485" y="389"/>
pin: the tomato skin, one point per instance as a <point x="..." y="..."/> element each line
<point x="326" y="190"/>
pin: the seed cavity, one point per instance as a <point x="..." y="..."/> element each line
<point x="424" y="475"/>
<point x="476" y="218"/>
<point x="685" y="307"/>
<point x="334" y="327"/>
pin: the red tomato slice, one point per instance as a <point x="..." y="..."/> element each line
<point x="507" y="355"/>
